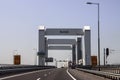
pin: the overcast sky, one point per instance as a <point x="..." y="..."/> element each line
<point x="19" y="21"/>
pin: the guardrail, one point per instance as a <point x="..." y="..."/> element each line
<point x="106" y="68"/>
<point x="21" y="68"/>
<point x="109" y="68"/>
<point x="109" y="75"/>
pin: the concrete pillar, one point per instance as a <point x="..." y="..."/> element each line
<point x="74" y="53"/>
<point x="79" y="49"/>
<point x="46" y="49"/>
<point x="41" y="48"/>
<point x="87" y="41"/>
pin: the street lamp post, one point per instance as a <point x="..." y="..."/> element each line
<point x="98" y="32"/>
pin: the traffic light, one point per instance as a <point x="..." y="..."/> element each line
<point x="107" y="52"/>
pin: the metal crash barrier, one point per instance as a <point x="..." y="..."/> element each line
<point x="109" y="75"/>
<point x="21" y="68"/>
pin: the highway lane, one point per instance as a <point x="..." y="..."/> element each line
<point x="55" y="74"/>
<point x="50" y="74"/>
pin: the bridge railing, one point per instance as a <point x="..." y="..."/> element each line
<point x="107" y="68"/>
<point x="108" y="71"/>
<point x="21" y="68"/>
<point x="109" y="75"/>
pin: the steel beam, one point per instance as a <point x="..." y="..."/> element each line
<point x="61" y="41"/>
<point x="63" y="32"/>
<point x="59" y="47"/>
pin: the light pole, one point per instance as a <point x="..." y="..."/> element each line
<point x="98" y="32"/>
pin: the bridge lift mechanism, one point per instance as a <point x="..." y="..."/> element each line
<point x="72" y="43"/>
<point x="44" y="43"/>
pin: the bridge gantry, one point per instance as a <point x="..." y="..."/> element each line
<point x="77" y="50"/>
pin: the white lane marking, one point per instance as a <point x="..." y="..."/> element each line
<point x="70" y="75"/>
<point x="38" y="78"/>
<point x="22" y="74"/>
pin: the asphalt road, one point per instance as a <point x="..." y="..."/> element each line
<point x="51" y="74"/>
<point x="54" y="74"/>
<point x="80" y="75"/>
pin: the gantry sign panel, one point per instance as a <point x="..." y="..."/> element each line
<point x="43" y="42"/>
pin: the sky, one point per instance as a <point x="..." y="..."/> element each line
<point x="19" y="21"/>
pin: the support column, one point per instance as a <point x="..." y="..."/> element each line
<point x="41" y="52"/>
<point x="46" y="49"/>
<point x="74" y="54"/>
<point x="79" y="49"/>
<point x="87" y="40"/>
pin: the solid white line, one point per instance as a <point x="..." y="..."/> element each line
<point x="38" y="78"/>
<point x="70" y="75"/>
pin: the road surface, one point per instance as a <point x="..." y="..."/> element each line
<point x="54" y="74"/>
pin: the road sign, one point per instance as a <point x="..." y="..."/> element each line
<point x="50" y="59"/>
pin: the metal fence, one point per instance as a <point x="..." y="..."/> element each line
<point x="107" y="72"/>
<point x="5" y="69"/>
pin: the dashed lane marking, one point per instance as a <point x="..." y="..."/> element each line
<point x="38" y="78"/>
